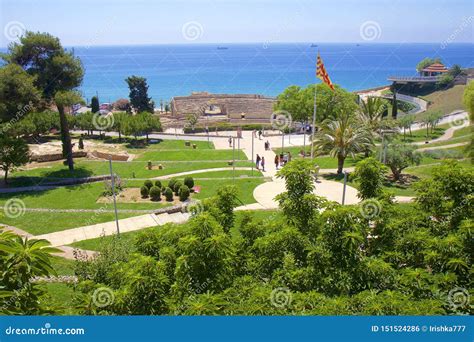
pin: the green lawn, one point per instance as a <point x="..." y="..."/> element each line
<point x="191" y="155"/>
<point x="85" y="197"/>
<point x="420" y="134"/>
<point x="38" y="223"/>
<point x="169" y="145"/>
<point x="447" y="100"/>
<point x="94" y="244"/>
<point x="87" y="168"/>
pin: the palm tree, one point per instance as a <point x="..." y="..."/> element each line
<point x="341" y="137"/>
<point x="371" y="112"/>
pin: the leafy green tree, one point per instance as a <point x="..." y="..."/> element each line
<point x="405" y="122"/>
<point x="294" y="101"/>
<point x="65" y="99"/>
<point x="399" y="156"/>
<point x="95" y="107"/>
<point x="149" y="122"/>
<point x="342" y="137"/>
<point x="57" y="74"/>
<point x="298" y="202"/>
<point x="14" y="152"/>
<point x="120" y="119"/>
<point x="449" y="193"/>
<point x="223" y="206"/>
<point x="455" y="70"/>
<point x="206" y="257"/>
<point x="85" y="122"/>
<point x="139" y="99"/>
<point x="18" y="93"/>
<point x="426" y="62"/>
<point x="370" y="175"/>
<point x="468" y="99"/>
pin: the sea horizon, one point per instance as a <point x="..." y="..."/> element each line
<point x="265" y="68"/>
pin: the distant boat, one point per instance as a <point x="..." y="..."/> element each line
<point x="314" y="45"/>
<point x="222" y="48"/>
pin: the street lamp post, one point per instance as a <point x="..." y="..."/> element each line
<point x="344" y="188"/>
<point x="113" y="194"/>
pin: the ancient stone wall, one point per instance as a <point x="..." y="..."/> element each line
<point x="254" y="106"/>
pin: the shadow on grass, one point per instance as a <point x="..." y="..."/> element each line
<point x="48" y="176"/>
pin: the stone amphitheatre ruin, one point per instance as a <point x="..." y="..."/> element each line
<point x="232" y="107"/>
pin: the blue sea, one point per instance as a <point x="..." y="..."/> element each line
<point x="267" y="69"/>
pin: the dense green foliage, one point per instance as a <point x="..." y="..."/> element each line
<point x="370" y="175"/>
<point x="21" y="260"/>
<point x="339" y="261"/>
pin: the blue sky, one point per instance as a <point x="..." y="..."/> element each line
<point x="107" y="22"/>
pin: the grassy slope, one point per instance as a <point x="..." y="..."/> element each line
<point x="447" y="100"/>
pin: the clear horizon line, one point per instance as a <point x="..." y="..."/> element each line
<point x="256" y="43"/>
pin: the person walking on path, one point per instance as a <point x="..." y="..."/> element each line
<point x="277" y="161"/>
<point x="259" y="134"/>
<point x="230" y="141"/>
<point x="257" y="162"/>
<point x="262" y="162"/>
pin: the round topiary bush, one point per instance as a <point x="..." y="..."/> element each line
<point x="183" y="193"/>
<point x="168" y="194"/>
<point x="176" y="187"/>
<point x="144" y="191"/>
<point x="171" y="183"/>
<point x="189" y="182"/>
<point x="148" y="184"/>
<point x="155" y="193"/>
<point x="158" y="184"/>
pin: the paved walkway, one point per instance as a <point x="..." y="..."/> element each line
<point x="69" y="236"/>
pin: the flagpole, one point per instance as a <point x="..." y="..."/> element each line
<point x="314" y="112"/>
<point x="314" y="124"/>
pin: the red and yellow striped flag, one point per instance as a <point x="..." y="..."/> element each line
<point x="322" y="74"/>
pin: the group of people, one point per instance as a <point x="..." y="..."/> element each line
<point x="260" y="162"/>
<point x="280" y="160"/>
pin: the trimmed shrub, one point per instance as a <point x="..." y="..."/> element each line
<point x="144" y="191"/>
<point x="171" y="183"/>
<point x="168" y="194"/>
<point x="189" y="182"/>
<point x="176" y="187"/>
<point x="183" y="193"/>
<point x="158" y="184"/>
<point x="155" y="193"/>
<point x="148" y="184"/>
